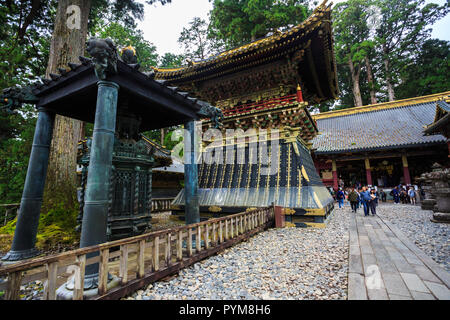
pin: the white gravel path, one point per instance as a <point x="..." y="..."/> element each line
<point x="432" y="238"/>
<point x="290" y="263"/>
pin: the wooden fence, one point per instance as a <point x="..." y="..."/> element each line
<point x="138" y="260"/>
<point x="161" y="204"/>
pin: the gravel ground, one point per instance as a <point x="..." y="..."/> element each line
<point x="432" y="238"/>
<point x="290" y="263"/>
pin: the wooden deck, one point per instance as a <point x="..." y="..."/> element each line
<point x="385" y="265"/>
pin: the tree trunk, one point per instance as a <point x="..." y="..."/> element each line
<point x="390" y="87"/>
<point x="162" y="136"/>
<point x="373" y="98"/>
<point x="68" y="43"/>
<point x="355" y="83"/>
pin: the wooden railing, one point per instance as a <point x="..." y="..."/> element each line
<point x="161" y="204"/>
<point x="138" y="260"/>
<point x="257" y="106"/>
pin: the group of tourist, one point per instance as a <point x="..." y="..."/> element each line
<point x="368" y="197"/>
<point x="404" y="194"/>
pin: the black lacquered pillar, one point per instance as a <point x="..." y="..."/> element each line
<point x="95" y="210"/>
<point x="23" y="246"/>
<point x="192" y="211"/>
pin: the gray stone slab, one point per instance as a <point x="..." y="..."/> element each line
<point x="377" y="294"/>
<point x="366" y="248"/>
<point x="402" y="265"/>
<point x="422" y="296"/>
<point x="381" y="235"/>
<point x="368" y="260"/>
<point x="356" y="287"/>
<point x="385" y="263"/>
<point x="442" y="274"/>
<point x="354" y="250"/>
<point x="440" y="291"/>
<point x="426" y="274"/>
<point x="413" y="282"/>
<point x="398" y="297"/>
<point x="394" y="284"/>
<point x="355" y="264"/>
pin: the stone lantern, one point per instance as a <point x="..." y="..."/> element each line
<point x="440" y="188"/>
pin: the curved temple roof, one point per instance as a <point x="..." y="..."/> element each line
<point x="308" y="46"/>
<point x="380" y="126"/>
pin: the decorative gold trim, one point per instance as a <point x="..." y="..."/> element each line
<point x="381" y="106"/>
<point x="315" y="212"/>
<point x="319" y="225"/>
<point x="214" y="209"/>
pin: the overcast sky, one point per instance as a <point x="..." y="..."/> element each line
<point x="162" y="25"/>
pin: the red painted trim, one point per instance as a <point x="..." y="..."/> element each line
<point x="406" y="175"/>
<point x="257" y="106"/>
<point x="335" y="180"/>
<point x="369" y="176"/>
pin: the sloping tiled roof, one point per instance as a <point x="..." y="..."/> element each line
<point x="387" y="126"/>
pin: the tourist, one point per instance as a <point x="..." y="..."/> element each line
<point x="403" y="196"/>
<point x="383" y="195"/>
<point x="373" y="202"/>
<point x="412" y="195"/>
<point x="353" y="198"/>
<point x="341" y="183"/>
<point x="395" y="194"/>
<point x="340" y="196"/>
<point x="360" y="203"/>
<point x="365" y="197"/>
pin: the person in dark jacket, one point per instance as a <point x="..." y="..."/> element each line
<point x="353" y="198"/>
<point x="383" y="195"/>
<point x="396" y="194"/>
<point x="373" y="202"/>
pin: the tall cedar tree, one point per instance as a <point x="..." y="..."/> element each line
<point x="403" y="29"/>
<point x="237" y="22"/>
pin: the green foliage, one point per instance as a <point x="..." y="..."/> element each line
<point x="172" y="138"/>
<point x="403" y="29"/>
<point x="391" y="35"/>
<point x="427" y="72"/>
<point x="170" y="60"/>
<point x="237" y="22"/>
<point x="15" y="149"/>
<point x="197" y="43"/>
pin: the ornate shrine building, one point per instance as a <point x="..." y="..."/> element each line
<point x="381" y="144"/>
<point x="266" y="84"/>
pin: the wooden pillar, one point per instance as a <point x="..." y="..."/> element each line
<point x="335" y="175"/>
<point x="406" y="176"/>
<point x="368" y="171"/>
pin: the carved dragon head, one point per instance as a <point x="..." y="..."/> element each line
<point x="13" y="98"/>
<point x="104" y="56"/>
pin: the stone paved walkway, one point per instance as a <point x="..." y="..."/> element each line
<point x="385" y="265"/>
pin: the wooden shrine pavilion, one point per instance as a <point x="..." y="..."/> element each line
<point x="381" y="144"/>
<point x="266" y="84"/>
